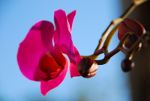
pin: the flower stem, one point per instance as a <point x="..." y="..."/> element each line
<point x="113" y="52"/>
<point x="107" y="57"/>
<point x="128" y="11"/>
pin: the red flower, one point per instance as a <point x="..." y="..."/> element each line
<point x="41" y="54"/>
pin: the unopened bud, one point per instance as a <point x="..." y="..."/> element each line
<point x="131" y="40"/>
<point x="87" y="67"/>
<point x="127" y="65"/>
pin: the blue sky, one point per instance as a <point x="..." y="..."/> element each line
<point x="16" y="18"/>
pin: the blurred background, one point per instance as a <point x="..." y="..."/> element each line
<point x="139" y="78"/>
<point x="110" y="83"/>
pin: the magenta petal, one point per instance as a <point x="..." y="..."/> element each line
<point x="63" y="35"/>
<point x="74" y="65"/>
<point x="70" y="17"/>
<point x="63" y="39"/>
<point x="61" y="21"/>
<point x="74" y="59"/>
<point x="129" y="25"/>
<point x="51" y="84"/>
<point x="35" y="44"/>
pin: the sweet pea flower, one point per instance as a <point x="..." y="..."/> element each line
<point x="41" y="54"/>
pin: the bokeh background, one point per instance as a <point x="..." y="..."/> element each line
<point x="93" y="16"/>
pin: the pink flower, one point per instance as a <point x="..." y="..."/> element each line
<point x="41" y="54"/>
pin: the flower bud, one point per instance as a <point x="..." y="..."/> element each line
<point x="87" y="67"/>
<point x="127" y="65"/>
<point x="130" y="40"/>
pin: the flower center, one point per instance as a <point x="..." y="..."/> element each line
<point x="50" y="66"/>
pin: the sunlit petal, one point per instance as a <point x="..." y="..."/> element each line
<point x="36" y="43"/>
